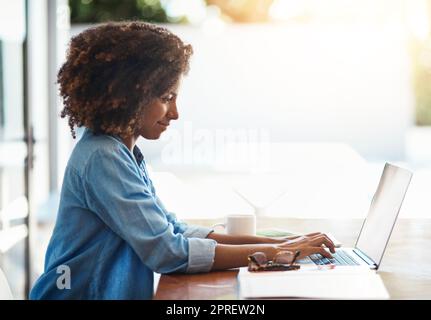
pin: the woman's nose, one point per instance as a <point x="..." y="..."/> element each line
<point x="173" y="112"/>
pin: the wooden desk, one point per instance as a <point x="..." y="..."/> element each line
<point x="405" y="269"/>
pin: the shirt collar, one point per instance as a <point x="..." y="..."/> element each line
<point x="138" y="155"/>
<point x="136" y="151"/>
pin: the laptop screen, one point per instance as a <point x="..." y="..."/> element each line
<point x="383" y="213"/>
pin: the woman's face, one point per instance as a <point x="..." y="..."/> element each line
<point x="158" y="114"/>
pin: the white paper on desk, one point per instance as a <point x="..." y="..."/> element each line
<point x="339" y="283"/>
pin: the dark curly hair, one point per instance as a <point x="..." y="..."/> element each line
<point x="114" y="70"/>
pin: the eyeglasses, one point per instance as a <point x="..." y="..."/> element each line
<point x="283" y="261"/>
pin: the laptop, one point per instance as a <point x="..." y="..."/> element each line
<point x="377" y="227"/>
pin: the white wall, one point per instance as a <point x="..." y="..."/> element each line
<point x="303" y="83"/>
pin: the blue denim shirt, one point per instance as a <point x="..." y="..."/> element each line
<point x="112" y="231"/>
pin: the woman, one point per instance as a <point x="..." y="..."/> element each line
<point x="120" y="81"/>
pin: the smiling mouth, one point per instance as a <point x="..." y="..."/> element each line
<point x="163" y="124"/>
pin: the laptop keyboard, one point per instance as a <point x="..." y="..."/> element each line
<point x="340" y="258"/>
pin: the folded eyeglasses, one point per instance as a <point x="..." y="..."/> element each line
<point x="282" y="261"/>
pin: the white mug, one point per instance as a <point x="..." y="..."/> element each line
<point x="239" y="224"/>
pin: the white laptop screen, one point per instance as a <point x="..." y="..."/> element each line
<point x="383" y="213"/>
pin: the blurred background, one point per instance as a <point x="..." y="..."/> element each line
<point x="291" y="108"/>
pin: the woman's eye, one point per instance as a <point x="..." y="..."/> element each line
<point x="169" y="98"/>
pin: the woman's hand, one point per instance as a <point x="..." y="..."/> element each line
<point x="289" y="238"/>
<point x="229" y="256"/>
<point x="293" y="238"/>
<point x="309" y="244"/>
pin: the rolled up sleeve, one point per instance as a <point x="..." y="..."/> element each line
<point x="201" y="255"/>
<point x="116" y="192"/>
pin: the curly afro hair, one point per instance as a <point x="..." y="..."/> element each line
<point x="114" y="70"/>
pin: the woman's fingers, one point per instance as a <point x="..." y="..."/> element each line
<point x="308" y="250"/>
<point x="308" y="235"/>
<point x="305" y="252"/>
<point x="320" y="250"/>
<point x="323" y="240"/>
<point x="316" y="241"/>
<point x="325" y="253"/>
<point x="319" y="235"/>
<point x="311" y="245"/>
<point x="300" y="239"/>
<point x="313" y="234"/>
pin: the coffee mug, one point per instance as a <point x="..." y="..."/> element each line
<point x="239" y="224"/>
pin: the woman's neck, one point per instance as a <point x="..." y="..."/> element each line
<point x="130" y="142"/>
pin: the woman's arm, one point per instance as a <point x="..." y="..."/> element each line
<point x="233" y="256"/>
<point x="228" y="239"/>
